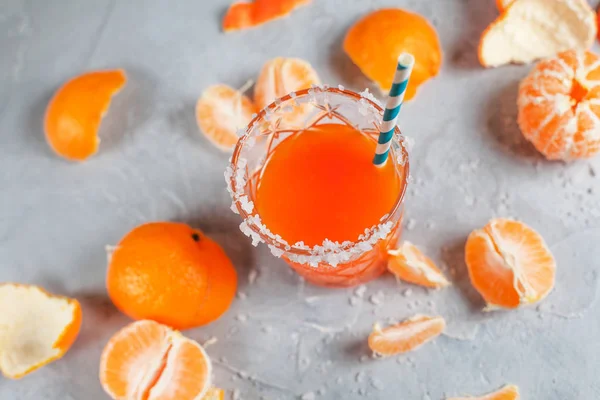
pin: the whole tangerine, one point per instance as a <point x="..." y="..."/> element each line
<point x="172" y="274"/>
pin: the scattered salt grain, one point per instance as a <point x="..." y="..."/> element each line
<point x="364" y="358"/>
<point x="236" y="395"/>
<point x="359" y="376"/>
<point x="267" y="329"/>
<point x="309" y="396"/>
<point x="377" y="299"/>
<point x="242" y="296"/>
<point x="407" y="292"/>
<point x="410" y="224"/>
<point x="354" y="301"/>
<point x="339" y="380"/>
<point x="377" y="384"/>
<point x="360" y="291"/>
<point x="241" y="317"/>
<point x="252" y="275"/>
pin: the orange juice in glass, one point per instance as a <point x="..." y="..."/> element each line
<point x="303" y="180"/>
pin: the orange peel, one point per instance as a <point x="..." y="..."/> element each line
<point x="522" y="33"/>
<point x="503" y="4"/>
<point x="37" y="328"/>
<point x="375" y="42"/>
<point x="559" y="106"/>
<point x="74" y="114"/>
<point x="221" y="112"/>
<point x="249" y="14"/>
<point x="406" y="336"/>
<point x="147" y="360"/>
<point x="409" y="264"/>
<point x="508" y="392"/>
<point x="509" y="264"/>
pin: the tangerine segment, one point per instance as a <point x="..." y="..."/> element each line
<point x="281" y="76"/>
<point x="503" y="4"/>
<point x="170" y="273"/>
<point x="220" y="112"/>
<point x="147" y="360"/>
<point x="509" y="392"/>
<point x="409" y="264"/>
<point x="405" y="336"/>
<point x="509" y="263"/>
<point x="559" y="106"/>
<point x="74" y="114"/>
<point x="375" y="42"/>
<point x="36" y="328"/>
<point x="521" y="33"/>
<point x="248" y="14"/>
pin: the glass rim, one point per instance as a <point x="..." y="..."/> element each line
<point x="277" y="245"/>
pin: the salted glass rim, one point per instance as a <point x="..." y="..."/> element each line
<point x="325" y="253"/>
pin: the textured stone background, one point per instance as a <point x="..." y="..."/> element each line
<point x="283" y="339"/>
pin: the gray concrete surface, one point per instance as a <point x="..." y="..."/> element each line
<point x="283" y="339"/>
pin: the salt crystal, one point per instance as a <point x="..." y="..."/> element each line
<point x="236" y="394"/>
<point x="377" y="384"/>
<point x="354" y="301"/>
<point x="377" y="298"/>
<point x="246" y="204"/>
<point x="363" y="358"/>
<point x="252" y="275"/>
<point x="407" y="292"/>
<point x="309" y="396"/>
<point x="410" y="224"/>
<point x="242" y="295"/>
<point x="241" y="317"/>
<point x="360" y="291"/>
<point x="359" y="376"/>
<point x="341" y="87"/>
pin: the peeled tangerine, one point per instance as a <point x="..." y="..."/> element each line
<point x="509" y="392"/>
<point x="409" y="264"/>
<point x="220" y="112"/>
<point x="559" y="106"/>
<point x="147" y="360"/>
<point x="408" y="335"/>
<point x="74" y="114"/>
<point x="36" y="328"/>
<point x="530" y="30"/>
<point x="509" y="264"/>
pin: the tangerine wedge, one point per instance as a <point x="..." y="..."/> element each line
<point x="220" y="112"/>
<point x="74" y="114"/>
<point x="375" y="42"/>
<point x="509" y="392"/>
<point x="147" y="360"/>
<point x="559" y="106"/>
<point x="248" y="14"/>
<point x="409" y="264"/>
<point x="530" y="30"/>
<point x="406" y="336"/>
<point x="509" y="264"/>
<point x="36" y="328"/>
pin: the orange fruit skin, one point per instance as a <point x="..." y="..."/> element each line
<point x="67" y="337"/>
<point x="74" y="114"/>
<point x="494" y="253"/>
<point x="503" y="4"/>
<point x="248" y="14"/>
<point x="375" y="42"/>
<point x="569" y="83"/>
<point x="159" y="271"/>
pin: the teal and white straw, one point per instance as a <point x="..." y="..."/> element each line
<point x="395" y="99"/>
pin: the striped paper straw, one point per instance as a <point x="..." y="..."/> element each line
<point x="392" y="107"/>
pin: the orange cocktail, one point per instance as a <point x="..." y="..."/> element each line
<point x="304" y="181"/>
